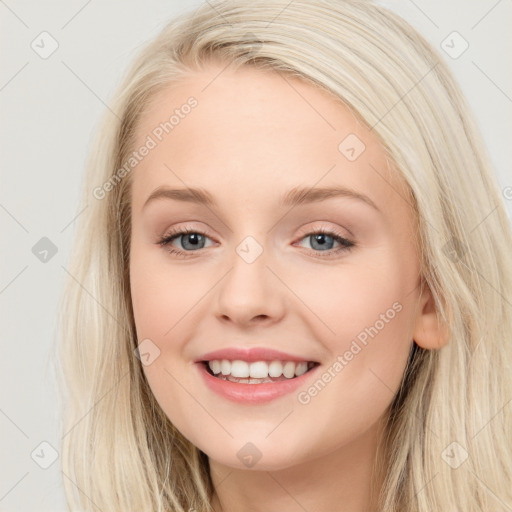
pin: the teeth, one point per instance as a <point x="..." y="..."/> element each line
<point x="259" y="369"/>
<point x="275" y="369"/>
<point x="289" y="369"/>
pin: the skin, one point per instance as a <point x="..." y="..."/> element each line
<point x="251" y="139"/>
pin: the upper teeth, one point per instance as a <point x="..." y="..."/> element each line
<point x="259" y="369"/>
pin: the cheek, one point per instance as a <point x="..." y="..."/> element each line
<point x="366" y="314"/>
<point x="161" y="297"/>
<point x="353" y="296"/>
<point x="167" y="306"/>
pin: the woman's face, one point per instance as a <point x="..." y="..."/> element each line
<point x="327" y="275"/>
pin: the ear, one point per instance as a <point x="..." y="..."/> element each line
<point x="430" y="332"/>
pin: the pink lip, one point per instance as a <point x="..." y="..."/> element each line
<point x="252" y="393"/>
<point x="250" y="355"/>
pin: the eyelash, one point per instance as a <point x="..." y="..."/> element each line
<point x="346" y="244"/>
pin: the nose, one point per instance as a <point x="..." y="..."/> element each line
<point x="250" y="294"/>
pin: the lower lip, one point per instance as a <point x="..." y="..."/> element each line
<point x="252" y="393"/>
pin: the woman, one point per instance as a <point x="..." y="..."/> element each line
<point x="289" y="298"/>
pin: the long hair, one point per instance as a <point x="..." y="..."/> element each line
<point x="448" y="436"/>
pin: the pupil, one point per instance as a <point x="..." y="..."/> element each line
<point x="321" y="240"/>
<point x="193" y="238"/>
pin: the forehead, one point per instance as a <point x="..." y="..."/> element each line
<point x="257" y="133"/>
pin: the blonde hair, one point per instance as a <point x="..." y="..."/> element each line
<point x="120" y="452"/>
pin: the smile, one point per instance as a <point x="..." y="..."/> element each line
<point x="242" y="382"/>
<point x="257" y="372"/>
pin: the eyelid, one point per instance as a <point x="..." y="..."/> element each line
<point x="177" y="232"/>
<point x="303" y="231"/>
<point x="324" y="228"/>
<point x="187" y="228"/>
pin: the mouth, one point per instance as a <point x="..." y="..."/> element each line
<point x="257" y="372"/>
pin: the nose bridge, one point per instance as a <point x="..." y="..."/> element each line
<point x="248" y="290"/>
<point x="251" y="248"/>
<point x="248" y="273"/>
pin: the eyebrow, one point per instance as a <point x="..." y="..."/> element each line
<point x="294" y="197"/>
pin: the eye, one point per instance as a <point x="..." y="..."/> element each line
<point x="192" y="239"/>
<point x="322" y="241"/>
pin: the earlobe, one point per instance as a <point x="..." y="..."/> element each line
<point x="430" y="332"/>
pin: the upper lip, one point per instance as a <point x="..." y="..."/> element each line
<point x="250" y="354"/>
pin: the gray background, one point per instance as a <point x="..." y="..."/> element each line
<point x="49" y="110"/>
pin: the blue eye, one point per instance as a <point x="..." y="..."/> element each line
<point x="321" y="240"/>
<point x="194" y="239"/>
<point x="324" y="240"/>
